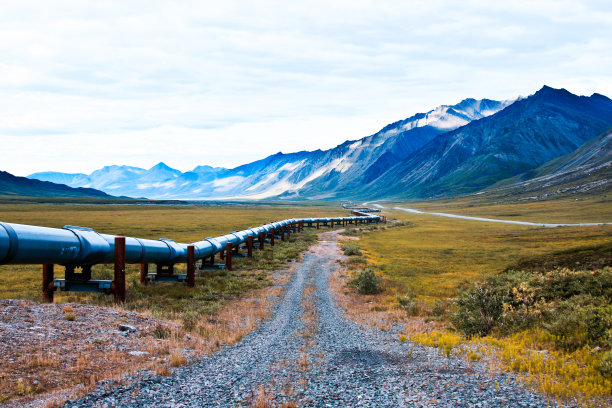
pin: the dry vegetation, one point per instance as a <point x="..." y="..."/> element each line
<point x="426" y="263"/>
<point x="221" y="308"/>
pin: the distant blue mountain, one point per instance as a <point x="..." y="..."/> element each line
<point x="11" y="185"/>
<point x="317" y="174"/>
<point x="449" y="150"/>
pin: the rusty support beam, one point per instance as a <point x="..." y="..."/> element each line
<point x="119" y="281"/>
<point x="228" y="256"/>
<point x="144" y="273"/>
<point x="190" y="266"/>
<point x="283" y="233"/>
<point x="47" y="283"/>
<point x="262" y="238"/>
<point x="250" y="246"/>
<point x="272" y="233"/>
<point x="317" y="224"/>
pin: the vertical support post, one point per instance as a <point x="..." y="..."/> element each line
<point x="288" y="231"/>
<point x="332" y="224"/>
<point x="261" y="240"/>
<point x="119" y="281"/>
<point x="144" y="273"/>
<point x="283" y="233"/>
<point x="272" y="233"/>
<point x="190" y="266"/>
<point x="317" y="224"/>
<point x="250" y="246"/>
<point x="228" y="256"/>
<point x="47" y="283"/>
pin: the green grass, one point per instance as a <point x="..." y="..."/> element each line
<point x="437" y="256"/>
<point x="181" y="223"/>
<point x="595" y="209"/>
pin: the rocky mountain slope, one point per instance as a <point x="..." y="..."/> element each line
<point x="522" y="137"/>
<point x="587" y="170"/>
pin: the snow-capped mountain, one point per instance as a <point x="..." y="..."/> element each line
<point x="316" y="174"/>
<point x="546" y="125"/>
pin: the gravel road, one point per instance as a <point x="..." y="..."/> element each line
<point x="310" y="354"/>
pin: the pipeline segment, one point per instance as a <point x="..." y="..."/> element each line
<point x="79" y="246"/>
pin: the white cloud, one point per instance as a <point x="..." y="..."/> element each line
<point x="85" y="84"/>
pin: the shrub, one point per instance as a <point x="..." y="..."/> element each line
<point x="580" y="321"/>
<point x="366" y="282"/>
<point x="409" y="304"/>
<point x="478" y="310"/>
<point x="351" y="232"/>
<point x="604" y="365"/>
<point x="351" y="249"/>
<point x="439" y="308"/>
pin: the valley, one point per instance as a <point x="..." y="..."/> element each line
<point x="426" y="259"/>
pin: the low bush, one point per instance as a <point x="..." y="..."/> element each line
<point x="409" y="303"/>
<point x="351" y="232"/>
<point x="574" y="306"/>
<point x="366" y="282"/>
<point x="478" y="310"/>
<point x="351" y="249"/>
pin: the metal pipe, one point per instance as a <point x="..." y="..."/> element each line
<point x="78" y="246"/>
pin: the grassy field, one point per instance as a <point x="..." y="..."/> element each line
<point x="541" y="319"/>
<point x="555" y="211"/>
<point x="180" y="223"/>
<point x="221" y="308"/>
<point x="436" y="256"/>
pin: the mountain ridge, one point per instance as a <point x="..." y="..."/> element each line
<point x="11" y="185"/>
<point x="525" y="135"/>
<point x="314" y="173"/>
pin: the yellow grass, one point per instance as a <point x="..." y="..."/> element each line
<point x="598" y="209"/>
<point x="436" y="256"/>
<point x="180" y="223"/>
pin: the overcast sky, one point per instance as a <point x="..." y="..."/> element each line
<point x="85" y="84"/>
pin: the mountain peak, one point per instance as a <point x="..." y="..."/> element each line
<point x="548" y="90"/>
<point x="162" y="166"/>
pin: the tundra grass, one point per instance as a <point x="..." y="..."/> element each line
<point x="435" y="258"/>
<point x="181" y="223"/>
<point x="207" y="309"/>
<point x="566" y="211"/>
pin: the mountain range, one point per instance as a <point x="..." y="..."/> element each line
<point x="450" y="150"/>
<point x="11" y="185"/>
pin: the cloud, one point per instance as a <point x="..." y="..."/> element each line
<point x="158" y="76"/>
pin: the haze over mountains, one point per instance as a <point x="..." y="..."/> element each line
<point x="450" y="150"/>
